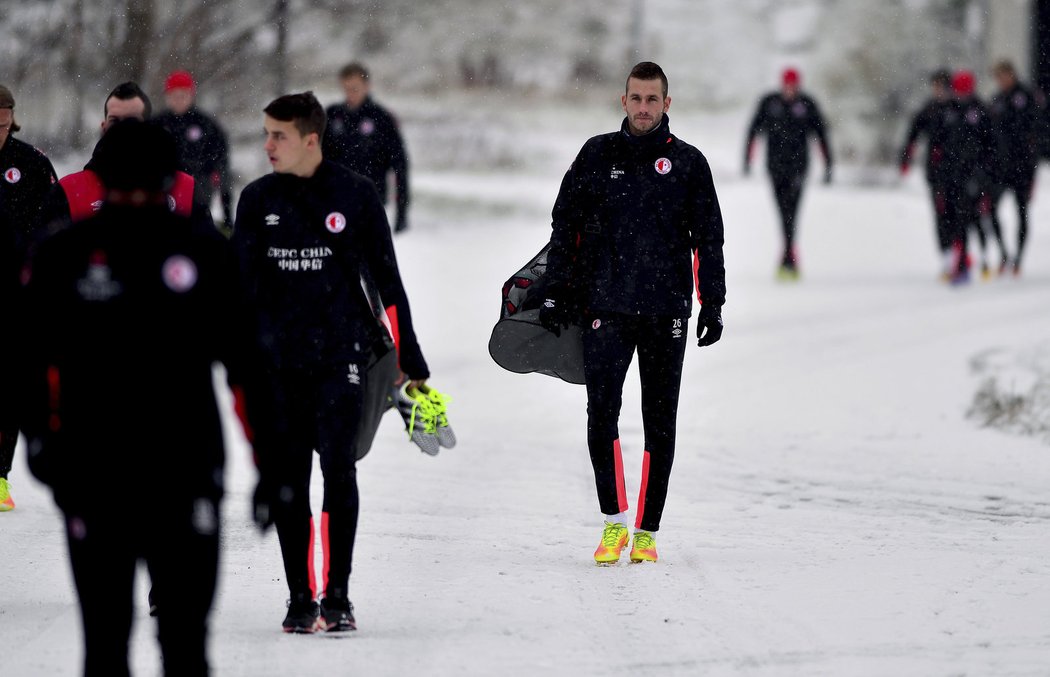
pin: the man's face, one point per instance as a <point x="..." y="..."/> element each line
<point x="7" y="118"/>
<point x="179" y="100"/>
<point x="789" y="90"/>
<point x="289" y="151"/>
<point x="356" y="89"/>
<point x="940" y="91"/>
<point x="1005" y="80"/>
<point x="123" y="109"/>
<point x="645" y="105"/>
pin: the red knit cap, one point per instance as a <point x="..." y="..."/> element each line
<point x="791" y="76"/>
<point x="963" y="83"/>
<point x="179" y="80"/>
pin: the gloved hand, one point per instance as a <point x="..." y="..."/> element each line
<point x="708" y="326"/>
<point x="554" y="316"/>
<point x="227" y="227"/>
<point x="827" y="175"/>
<point x="747" y="169"/>
<point x="267" y="502"/>
<point x="401" y="222"/>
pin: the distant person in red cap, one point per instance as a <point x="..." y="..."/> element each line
<point x="969" y="162"/>
<point x="202" y="144"/>
<point x="788" y="118"/>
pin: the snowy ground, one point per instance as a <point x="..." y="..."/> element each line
<point x="832" y="511"/>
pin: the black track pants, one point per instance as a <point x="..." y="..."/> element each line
<point x="321" y="412"/>
<point x="938" y="193"/>
<point x="180" y="544"/>
<point x="1021" y="184"/>
<point x="609" y="344"/>
<point x="787" y="189"/>
<point x="8" y="442"/>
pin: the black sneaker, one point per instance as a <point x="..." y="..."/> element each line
<point x="337" y="615"/>
<point x="303" y="616"/>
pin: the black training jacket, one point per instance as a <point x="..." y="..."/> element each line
<point x="203" y="153"/>
<point x="126" y="313"/>
<point x="367" y="141"/>
<point x="632" y="214"/>
<point x="787" y="125"/>
<point x="1016" y="118"/>
<point x="26" y="176"/>
<point x="303" y="245"/>
<point x="932" y="122"/>
<point x="970" y="158"/>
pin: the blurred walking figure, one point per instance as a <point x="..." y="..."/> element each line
<point x="969" y="159"/>
<point x="1016" y="113"/>
<point x="932" y="122"/>
<point x="363" y="136"/>
<point x="788" y="118"/>
<point x="26" y="176"/>
<point x="202" y="144"/>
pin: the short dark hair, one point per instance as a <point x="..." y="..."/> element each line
<point x="302" y="109"/>
<point x="942" y="77"/>
<point x="353" y="70"/>
<point x="126" y="91"/>
<point x="1004" y="67"/>
<point x="647" y="70"/>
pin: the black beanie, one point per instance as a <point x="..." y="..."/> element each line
<point x="136" y="155"/>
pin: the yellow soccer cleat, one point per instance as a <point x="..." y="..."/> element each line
<point x="643" y="548"/>
<point x="6" y="502"/>
<point x="614" y="539"/>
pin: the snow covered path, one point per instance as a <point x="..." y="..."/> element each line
<point x="831" y="511"/>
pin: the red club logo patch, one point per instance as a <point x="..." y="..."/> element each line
<point x="663" y="165"/>
<point x="596" y="324"/>
<point x="13" y="175"/>
<point x="335" y="222"/>
<point x="179" y="273"/>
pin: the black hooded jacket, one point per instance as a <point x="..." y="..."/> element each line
<point x="632" y="214"/>
<point x="787" y="124"/>
<point x="367" y="141"/>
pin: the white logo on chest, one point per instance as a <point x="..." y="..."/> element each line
<point x="335" y="222"/>
<point x="13" y="175"/>
<point x="272" y="219"/>
<point x="663" y="165"/>
<point x="179" y="273"/>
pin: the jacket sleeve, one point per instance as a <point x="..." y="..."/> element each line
<point x="758" y="125"/>
<point x="919" y="125"/>
<point x="382" y="265"/>
<point x="819" y="127"/>
<point x="707" y="238"/>
<point x="399" y="163"/>
<point x="567" y="222"/>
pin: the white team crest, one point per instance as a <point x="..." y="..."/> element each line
<point x="171" y="203"/>
<point x="367" y="127"/>
<point x="179" y="273"/>
<point x="13" y="175"/>
<point x="596" y="324"/>
<point x="194" y="134"/>
<point x="335" y="222"/>
<point x="272" y="219"/>
<point x="96" y="205"/>
<point x="663" y="165"/>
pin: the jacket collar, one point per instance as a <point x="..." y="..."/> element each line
<point x="660" y="135"/>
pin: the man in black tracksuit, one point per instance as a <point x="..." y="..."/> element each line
<point x="788" y="118"/>
<point x="26" y="176"/>
<point x="969" y="155"/>
<point x="634" y="210"/>
<point x="304" y="235"/>
<point x="1016" y="114"/>
<point x="363" y="136"/>
<point x="932" y="122"/>
<point x="126" y="314"/>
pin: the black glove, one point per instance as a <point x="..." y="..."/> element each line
<point x="554" y="316"/>
<point x="708" y="326"/>
<point x="269" y="499"/>
<point x="401" y="222"/>
<point x="827" y="175"/>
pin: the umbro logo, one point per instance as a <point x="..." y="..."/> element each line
<point x="272" y="219"/>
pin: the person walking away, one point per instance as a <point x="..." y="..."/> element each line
<point x="363" y="136"/>
<point x="1016" y="112"/>
<point x="303" y="236"/>
<point x="126" y="314"/>
<point x="203" y="149"/>
<point x="932" y="122"/>
<point x="788" y="118"/>
<point x="27" y="176"/>
<point x="636" y="215"/>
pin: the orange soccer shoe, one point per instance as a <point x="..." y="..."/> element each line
<point x="643" y="548"/>
<point x="614" y="539"/>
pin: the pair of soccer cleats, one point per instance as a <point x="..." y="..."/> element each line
<point x="425" y="412"/>
<point x="305" y="616"/>
<point x="614" y="540"/>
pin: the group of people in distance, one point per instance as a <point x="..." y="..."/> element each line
<point x="976" y="153"/>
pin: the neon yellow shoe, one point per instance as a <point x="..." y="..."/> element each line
<point x="614" y="539"/>
<point x="438" y="409"/>
<point x="6" y="502"/>
<point x="643" y="548"/>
